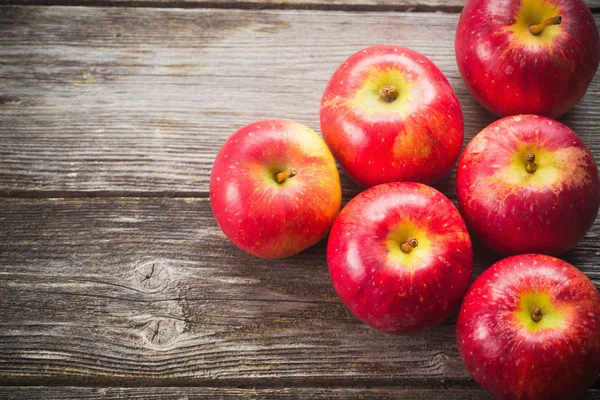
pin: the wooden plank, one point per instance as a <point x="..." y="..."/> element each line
<point x="170" y="393"/>
<point x="64" y="393"/>
<point x="138" y="292"/>
<point x="122" y="101"/>
<point x="348" y="5"/>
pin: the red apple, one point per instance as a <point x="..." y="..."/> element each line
<point x="527" y="56"/>
<point x="389" y="114"/>
<point x="528" y="184"/>
<point x="529" y="329"/>
<point x="274" y="188"/>
<point x="400" y="257"/>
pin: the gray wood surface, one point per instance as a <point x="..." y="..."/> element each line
<point x="134" y="289"/>
<point x="54" y="393"/>
<point x="170" y="393"/>
<point x="149" y="291"/>
<point x="138" y="101"/>
<point x="351" y="5"/>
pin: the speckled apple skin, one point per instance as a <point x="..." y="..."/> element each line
<point x="261" y="216"/>
<point x="515" y="364"/>
<point x="419" y="140"/>
<point x="511" y="211"/>
<point x="510" y="74"/>
<point x="385" y="292"/>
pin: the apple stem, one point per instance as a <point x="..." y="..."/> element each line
<point x="536" y="314"/>
<point x="409" y="245"/>
<point x="531" y="166"/>
<point x="288" y="173"/>
<point x="537" y="29"/>
<point x="389" y="93"/>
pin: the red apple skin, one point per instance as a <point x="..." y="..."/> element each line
<point x="259" y="215"/>
<point x="510" y="71"/>
<point x="514" y="212"/>
<point x="386" y="288"/>
<point x="417" y="137"/>
<point x="512" y="361"/>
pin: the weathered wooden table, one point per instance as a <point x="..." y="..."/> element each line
<point x="115" y="280"/>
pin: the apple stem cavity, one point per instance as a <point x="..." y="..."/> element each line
<point x="389" y="93"/>
<point x="531" y="166"/>
<point x="409" y="245"/>
<point x="537" y="29"/>
<point x="536" y="314"/>
<point x="288" y="173"/>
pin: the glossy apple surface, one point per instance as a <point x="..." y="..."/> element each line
<point x="263" y="206"/>
<point x="529" y="329"/>
<point x="400" y="257"/>
<point x="514" y="211"/>
<point x="388" y="114"/>
<point x="511" y="70"/>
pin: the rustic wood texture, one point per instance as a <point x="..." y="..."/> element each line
<point x="124" y="101"/>
<point x="66" y="393"/>
<point x="131" y="289"/>
<point x="150" y="292"/>
<point x="350" y="5"/>
<point x="52" y="393"/>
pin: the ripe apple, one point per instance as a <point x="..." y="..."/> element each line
<point x="528" y="184"/>
<point x="400" y="257"/>
<point x="529" y="329"/>
<point x="274" y="188"/>
<point x="527" y="56"/>
<point x="389" y="114"/>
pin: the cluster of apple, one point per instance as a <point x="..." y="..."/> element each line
<point x="399" y="254"/>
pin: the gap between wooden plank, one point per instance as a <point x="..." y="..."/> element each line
<point x="167" y="393"/>
<point x="412" y="6"/>
<point x="172" y="393"/>
<point x="262" y="384"/>
<point x="70" y="194"/>
<point x="259" y="383"/>
<point x="400" y="6"/>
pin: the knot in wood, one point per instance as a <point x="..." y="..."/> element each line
<point x="440" y="362"/>
<point x="162" y="331"/>
<point x="152" y="276"/>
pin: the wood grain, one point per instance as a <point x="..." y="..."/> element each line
<point x="142" y="292"/>
<point x="348" y="5"/>
<point x="137" y="102"/>
<point x="133" y="291"/>
<point x="65" y="393"/>
<point x="170" y="393"/>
